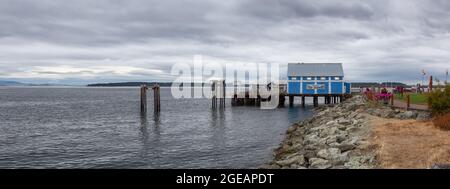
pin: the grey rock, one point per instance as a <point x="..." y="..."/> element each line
<point x="423" y="116"/>
<point x="340" y="138"/>
<point x="270" y="166"/>
<point x="344" y="121"/>
<point x="346" y="147"/>
<point x="329" y="154"/>
<point x="293" y="159"/>
<point x="409" y="115"/>
<point x="319" y="163"/>
<point x="291" y="129"/>
<point x="440" y="166"/>
<point x="331" y="123"/>
<point x="359" y="162"/>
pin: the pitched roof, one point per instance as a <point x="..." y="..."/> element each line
<point x="315" y="69"/>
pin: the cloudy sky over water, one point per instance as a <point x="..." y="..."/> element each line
<point x="87" y="41"/>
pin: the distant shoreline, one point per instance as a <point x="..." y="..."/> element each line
<point x="129" y="84"/>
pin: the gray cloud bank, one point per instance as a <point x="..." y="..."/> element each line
<point x="112" y="40"/>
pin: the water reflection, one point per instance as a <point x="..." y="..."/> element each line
<point x="218" y="136"/>
<point x="157" y="119"/>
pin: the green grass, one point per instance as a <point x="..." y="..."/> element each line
<point x="421" y="99"/>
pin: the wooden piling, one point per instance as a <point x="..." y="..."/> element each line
<point x="303" y="101"/>
<point x="392" y="100"/>
<point x="222" y="98"/>
<point x="291" y="100"/>
<point x="429" y="102"/>
<point x="143" y="98"/>
<point x="430" y="85"/>
<point x="156" y="98"/>
<point x="316" y="100"/>
<point x="408" y="101"/>
<point x="281" y="100"/>
<point x="214" y="95"/>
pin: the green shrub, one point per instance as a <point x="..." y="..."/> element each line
<point x="440" y="101"/>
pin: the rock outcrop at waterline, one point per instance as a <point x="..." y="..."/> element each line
<point x="336" y="137"/>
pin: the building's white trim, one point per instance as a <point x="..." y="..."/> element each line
<point x="301" y="85"/>
<point x="329" y="85"/>
<point x="315" y="84"/>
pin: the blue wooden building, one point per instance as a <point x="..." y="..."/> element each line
<point x="317" y="79"/>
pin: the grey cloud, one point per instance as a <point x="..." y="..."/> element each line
<point x="405" y="35"/>
<point x="283" y="9"/>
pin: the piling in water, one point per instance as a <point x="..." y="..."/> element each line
<point x="156" y="98"/>
<point x="144" y="99"/>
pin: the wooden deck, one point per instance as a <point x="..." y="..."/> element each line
<point x="403" y="105"/>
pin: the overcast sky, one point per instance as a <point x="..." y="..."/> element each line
<point x="87" y="41"/>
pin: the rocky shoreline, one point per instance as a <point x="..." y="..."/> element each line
<point x="335" y="138"/>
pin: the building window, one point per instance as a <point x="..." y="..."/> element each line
<point x="293" y="78"/>
<point x="308" y="78"/>
<point x="323" y="78"/>
<point x="337" y="78"/>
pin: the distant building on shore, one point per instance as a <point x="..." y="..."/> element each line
<point x="316" y="78"/>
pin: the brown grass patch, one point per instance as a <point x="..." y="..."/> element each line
<point x="442" y="122"/>
<point x="409" y="143"/>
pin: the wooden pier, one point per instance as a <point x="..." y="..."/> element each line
<point x="251" y="96"/>
<point x="246" y="99"/>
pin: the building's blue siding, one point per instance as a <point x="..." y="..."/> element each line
<point x="294" y="88"/>
<point x="336" y="87"/>
<point x="347" y="88"/>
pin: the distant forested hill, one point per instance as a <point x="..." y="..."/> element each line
<point x="368" y="84"/>
<point x="11" y="83"/>
<point x="128" y="84"/>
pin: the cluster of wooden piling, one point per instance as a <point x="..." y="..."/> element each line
<point x="334" y="99"/>
<point x="218" y="92"/>
<point x="156" y="98"/>
<point x="328" y="99"/>
<point x="247" y="100"/>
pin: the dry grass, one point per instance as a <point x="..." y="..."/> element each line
<point x="443" y="122"/>
<point x="409" y="143"/>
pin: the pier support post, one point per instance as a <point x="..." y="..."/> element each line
<point x="156" y="98"/>
<point x="214" y="95"/>
<point x="144" y="98"/>
<point x="303" y="101"/>
<point x="430" y="85"/>
<point x="281" y="100"/>
<point x="223" y="95"/>
<point x="291" y="100"/>
<point x="408" y="101"/>
<point x="392" y="100"/>
<point x="316" y="100"/>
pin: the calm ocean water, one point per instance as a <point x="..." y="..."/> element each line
<point x="58" y="127"/>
